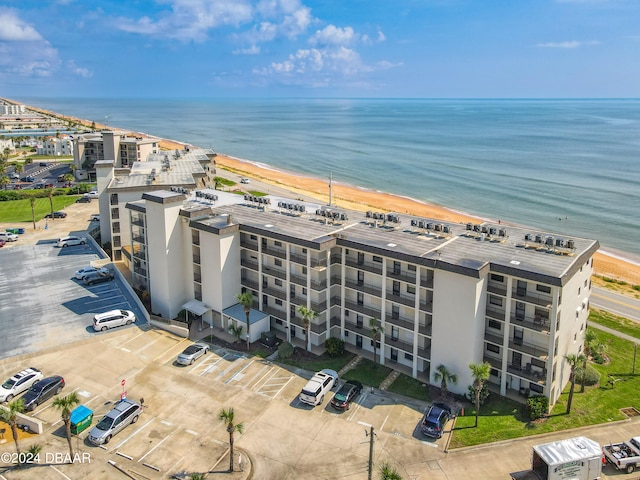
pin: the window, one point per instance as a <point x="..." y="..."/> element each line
<point x="278" y="301"/>
<point x="586" y="282"/>
<point x="395" y="331"/>
<point x="116" y="241"/>
<point x="304" y="250"/>
<point x="304" y="270"/>
<point x="411" y="268"/>
<point x="377" y="259"/>
<point x="292" y="311"/>
<point x="292" y="291"/>
<point x="116" y="227"/>
<point x="493" y="348"/>
<point x="395" y="312"/>
<point x="543" y="288"/>
<point x="497" y="278"/>
<point x="493" y="372"/>
<point x="411" y="289"/>
<point x="253" y="237"/>
<point x="115" y="213"/>
<point x="495" y="324"/>
<point x="408" y="356"/>
<point x="394" y="355"/>
<point x="538" y="363"/>
<point x="520" y="311"/>
<point x="264" y="242"/>
<point x="277" y="244"/>
<point x="360" y="298"/>
<point x="359" y="341"/>
<point x="304" y="290"/>
<point x="359" y="321"/>
<point x="534" y="387"/>
<point x="493" y="300"/>
<point x="360" y="257"/>
<point x="278" y="262"/>
<point x="396" y="268"/>
<point x="360" y="277"/>
<point x="396" y="287"/>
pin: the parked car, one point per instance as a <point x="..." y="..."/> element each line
<point x="43" y="164"/>
<point x="48" y="185"/>
<point x="95" y="217"/>
<point x="113" y="318"/>
<point x="244" y="180"/>
<point x="42" y="390"/>
<point x="320" y="384"/>
<point x="2" y="243"/>
<point x="435" y="419"/>
<point x="124" y="413"/>
<point x="84" y="200"/>
<point x="70" y="241"/>
<point x="347" y="394"/>
<point x="192" y="353"/>
<point x="83" y="272"/>
<point x="28" y="178"/>
<point x="15" y="176"/>
<point x="99" y="276"/>
<point x="92" y="194"/>
<point x="8" y="236"/>
<point x="56" y="215"/>
<point x="18" y="383"/>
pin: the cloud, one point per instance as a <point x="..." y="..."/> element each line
<point x="568" y="44"/>
<point x="13" y="29"/>
<point x="80" y="71"/>
<point x="189" y="20"/>
<point x="252" y="50"/>
<point x="332" y="35"/>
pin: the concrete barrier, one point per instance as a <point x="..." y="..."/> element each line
<point x="33" y="424"/>
<point x="177" y="328"/>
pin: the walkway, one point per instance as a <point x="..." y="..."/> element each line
<point x="614" y="332"/>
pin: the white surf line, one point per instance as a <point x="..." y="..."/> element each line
<point x="58" y="472"/>
<point x="156" y="446"/>
<point x="134" y="434"/>
<point x="240" y="372"/>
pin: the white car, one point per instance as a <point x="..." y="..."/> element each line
<point x="113" y="318"/>
<point x="83" y="272"/>
<point x="70" y="241"/>
<point x="20" y="382"/>
<point x="244" y="180"/>
<point x="92" y="194"/>
<point x="8" y="236"/>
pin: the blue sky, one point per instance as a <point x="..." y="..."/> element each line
<point x="320" y="48"/>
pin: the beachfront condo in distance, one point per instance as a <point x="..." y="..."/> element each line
<point x="442" y="294"/>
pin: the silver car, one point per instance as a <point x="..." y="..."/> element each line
<point x="192" y="353"/>
<point x="124" y="413"/>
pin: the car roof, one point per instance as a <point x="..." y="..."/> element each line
<point x="48" y="380"/>
<point x="26" y="371"/>
<point x="121" y="406"/>
<point x="110" y="313"/>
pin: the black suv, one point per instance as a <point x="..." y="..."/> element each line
<point x="435" y="419"/>
<point x="42" y="391"/>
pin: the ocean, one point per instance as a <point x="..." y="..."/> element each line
<point x="569" y="167"/>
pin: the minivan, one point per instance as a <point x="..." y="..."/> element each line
<point x="320" y="384"/>
<point x="124" y="413"/>
<point x="70" y="241"/>
<point x="113" y="318"/>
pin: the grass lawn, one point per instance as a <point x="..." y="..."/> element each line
<point x="501" y="419"/>
<point x="410" y="387"/>
<point x="368" y="373"/>
<point x="20" y="210"/>
<point x="620" y="324"/>
<point x="315" y="364"/>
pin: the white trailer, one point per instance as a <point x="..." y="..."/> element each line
<point x="576" y="458"/>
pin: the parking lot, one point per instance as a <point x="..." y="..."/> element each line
<point x="42" y="304"/>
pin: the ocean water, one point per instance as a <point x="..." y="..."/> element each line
<point x="569" y="167"/>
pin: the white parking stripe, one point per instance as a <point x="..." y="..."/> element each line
<point x="58" y="472"/>
<point x="156" y="446"/>
<point x="240" y="372"/>
<point x="134" y="434"/>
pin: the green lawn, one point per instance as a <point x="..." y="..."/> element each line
<point x="502" y="419"/>
<point x="20" y="210"/>
<point x="368" y="373"/>
<point x="410" y="387"/>
<point x="315" y="364"/>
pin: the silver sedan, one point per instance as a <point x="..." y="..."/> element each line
<point x="192" y="353"/>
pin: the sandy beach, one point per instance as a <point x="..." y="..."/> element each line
<point x="361" y="199"/>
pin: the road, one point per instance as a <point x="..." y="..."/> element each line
<point x="616" y="303"/>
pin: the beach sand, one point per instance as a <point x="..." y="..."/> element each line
<point x="354" y="198"/>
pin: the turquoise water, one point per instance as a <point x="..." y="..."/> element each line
<point x="564" y="166"/>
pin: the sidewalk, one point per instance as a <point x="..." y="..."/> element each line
<point x="614" y="332"/>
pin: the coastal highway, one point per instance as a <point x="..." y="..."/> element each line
<point x="615" y="303"/>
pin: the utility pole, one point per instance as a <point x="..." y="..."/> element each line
<point x="371" y="434"/>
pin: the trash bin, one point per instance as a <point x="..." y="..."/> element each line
<point x="20" y="231"/>
<point x="12" y="230"/>
<point x="81" y="418"/>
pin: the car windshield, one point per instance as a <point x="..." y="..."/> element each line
<point x="339" y="397"/>
<point x="191" y="350"/>
<point x="105" y="424"/>
<point x="9" y="384"/>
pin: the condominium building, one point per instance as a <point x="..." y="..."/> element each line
<point x="53" y="146"/>
<point x="441" y="294"/>
<point x="171" y="169"/>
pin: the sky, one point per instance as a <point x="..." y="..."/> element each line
<point x="320" y="48"/>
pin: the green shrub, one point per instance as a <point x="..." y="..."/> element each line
<point x="285" y="350"/>
<point x="334" y="346"/>
<point x="537" y="406"/>
<point x="592" y="376"/>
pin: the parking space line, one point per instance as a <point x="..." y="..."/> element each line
<point x="68" y="478"/>
<point x="385" y="421"/>
<point x="210" y="366"/>
<point x="157" y="445"/>
<point x="256" y="375"/>
<point x="354" y="412"/>
<point x="282" y="388"/>
<point x="132" y="339"/>
<point x="140" y="350"/>
<point x="134" y="433"/>
<point x="240" y="372"/>
<point x="170" y="348"/>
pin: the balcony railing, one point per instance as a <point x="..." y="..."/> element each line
<point x="426" y="306"/>
<point x="251" y="284"/>
<point x="363" y="287"/>
<point x="197" y="278"/>
<point x="402" y="276"/>
<point x="249" y="263"/>
<point x="404" y="300"/>
<point x="397" y="343"/>
<point x="424" y="352"/>
<point x="497" y="289"/>
<point x="530" y="373"/>
<point x="274" y="272"/>
<point x="496" y="313"/>
<point x="532" y="350"/>
<point x="367" y="266"/>
<point x="493" y="338"/>
<point x="139" y="239"/>
<point x="275" y="252"/>
<point x="359" y="329"/>
<point x="540" y="299"/>
<point x="400" y="321"/>
<point x="365" y="310"/>
<point x="425" y="329"/>
<point x="274" y="292"/>
<point x="196" y="259"/>
<point x="298" y="258"/>
<point x="495" y="362"/>
<point x="137" y="221"/>
<point x="318" y="307"/>
<point x="539" y="324"/>
<point x="318" y="262"/>
<point x="249" y="245"/>
<point x="275" y="310"/>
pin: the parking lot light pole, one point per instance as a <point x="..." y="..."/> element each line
<point x="369" y="434"/>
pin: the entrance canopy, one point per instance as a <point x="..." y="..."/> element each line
<point x="196" y="307"/>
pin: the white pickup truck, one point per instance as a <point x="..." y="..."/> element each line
<point x="624" y="456"/>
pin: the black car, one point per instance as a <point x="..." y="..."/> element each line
<point x="56" y="215"/>
<point x="42" y="391"/>
<point x="435" y="419"/>
<point x="347" y="394"/>
<point x="28" y="179"/>
<point x="100" y="276"/>
<point x="84" y="200"/>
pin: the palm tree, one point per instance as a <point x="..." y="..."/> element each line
<point x="246" y="300"/>
<point x="307" y="317"/>
<point x="573" y="360"/>
<point x="65" y="405"/>
<point x="236" y="331"/>
<point x="374" y="333"/>
<point x="18" y="168"/>
<point x="590" y="339"/>
<point x="50" y="195"/>
<point x="387" y="472"/>
<point x="480" y="373"/>
<point x="444" y="376"/>
<point x="32" y="201"/>
<point x="4" y="181"/>
<point x="68" y="177"/>
<point x="227" y="416"/>
<point x="9" y="416"/>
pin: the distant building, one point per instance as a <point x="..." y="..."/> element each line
<point x="56" y="147"/>
<point x="6" y="143"/>
<point x="12" y="109"/>
<point x="441" y="294"/>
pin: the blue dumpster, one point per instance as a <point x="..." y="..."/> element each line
<point x="20" y="230"/>
<point x="81" y="418"/>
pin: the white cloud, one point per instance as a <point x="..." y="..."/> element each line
<point x="80" y="71"/>
<point x="332" y="35"/>
<point x="568" y="44"/>
<point x="252" y="50"/>
<point x="13" y="29"/>
<point x="190" y="20"/>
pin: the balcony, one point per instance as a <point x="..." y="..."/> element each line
<point x="250" y="284"/>
<point x="424" y="329"/>
<point x="495" y="313"/>
<point x="197" y="278"/>
<point x="359" y="329"/>
<point x="495" y="362"/>
<point x="274" y="272"/>
<point x="363" y="287"/>
<point x="275" y="252"/>
<point x="249" y="263"/>
<point x="367" y="266"/>
<point x="298" y="258"/>
<point x="315" y="327"/>
<point x="537" y="323"/>
<point x="318" y="285"/>
<point x="404" y="300"/>
<point x="275" y="310"/>
<point x="298" y="280"/>
<point x="249" y="245"/>
<point x="400" y="321"/>
<point x="537" y="298"/>
<point x="409" y="277"/>
<point x="493" y="338"/>
<point x="140" y="254"/>
<point x="196" y="259"/>
<point x="399" y="344"/>
<point x="274" y="292"/>
<point x="360" y="308"/>
<point x="424" y="352"/>
<point x="426" y="306"/>
<point x="530" y="373"/>
<point x="318" y="262"/>
<point x="140" y="271"/>
<point x="426" y="282"/>
<point x="139" y="221"/>
<point x="497" y="289"/>
<point x="318" y="307"/>
<point x="532" y="350"/>
<point x="139" y="239"/>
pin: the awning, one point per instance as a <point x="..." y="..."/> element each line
<point x="196" y="307"/>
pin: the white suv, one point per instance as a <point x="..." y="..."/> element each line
<point x="70" y="241"/>
<point x="113" y="318"/>
<point x="20" y="382"/>
<point x="320" y="384"/>
<point x="8" y="236"/>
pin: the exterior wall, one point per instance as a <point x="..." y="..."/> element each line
<point x="56" y="147"/>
